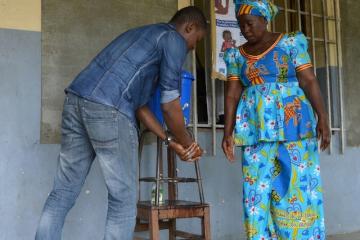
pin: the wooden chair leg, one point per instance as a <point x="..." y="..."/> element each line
<point x="154" y="225"/>
<point x="205" y="222"/>
<point x="172" y="229"/>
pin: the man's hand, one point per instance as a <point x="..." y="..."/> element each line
<point x="228" y="148"/>
<point x="192" y="153"/>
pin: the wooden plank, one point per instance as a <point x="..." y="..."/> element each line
<point x="143" y="213"/>
<point x="142" y="227"/>
<point x="154" y="226"/>
<point x="190" y="236"/>
<point x="172" y="229"/>
<point x="206" y="232"/>
<point x="181" y="213"/>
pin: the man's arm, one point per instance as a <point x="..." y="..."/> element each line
<point x="174" y="50"/>
<point x="151" y="123"/>
<point x="174" y="120"/>
<point x="147" y="118"/>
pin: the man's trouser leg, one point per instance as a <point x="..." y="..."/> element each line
<point x="75" y="159"/>
<point x="115" y="141"/>
<point x="110" y="136"/>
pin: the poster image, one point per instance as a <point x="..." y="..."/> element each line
<point x="225" y="34"/>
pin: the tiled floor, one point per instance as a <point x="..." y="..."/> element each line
<point x="350" y="236"/>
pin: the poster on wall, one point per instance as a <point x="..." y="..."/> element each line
<point x="226" y="34"/>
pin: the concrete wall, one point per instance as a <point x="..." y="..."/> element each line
<point x="351" y="55"/>
<point x="27" y="167"/>
<point x="73" y="32"/>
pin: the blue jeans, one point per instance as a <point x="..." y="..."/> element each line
<point x="94" y="131"/>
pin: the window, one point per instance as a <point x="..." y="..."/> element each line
<point x="319" y="20"/>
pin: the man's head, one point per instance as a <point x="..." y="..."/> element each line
<point x="190" y="22"/>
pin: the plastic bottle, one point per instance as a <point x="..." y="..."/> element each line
<point x="161" y="194"/>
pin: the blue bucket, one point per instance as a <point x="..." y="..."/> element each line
<point x="185" y="99"/>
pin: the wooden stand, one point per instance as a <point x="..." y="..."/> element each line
<point x="154" y="217"/>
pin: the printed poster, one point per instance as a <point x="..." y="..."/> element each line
<point x="226" y="34"/>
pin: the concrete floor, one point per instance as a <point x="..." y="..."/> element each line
<point x="349" y="236"/>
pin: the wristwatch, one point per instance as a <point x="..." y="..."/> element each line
<point x="167" y="139"/>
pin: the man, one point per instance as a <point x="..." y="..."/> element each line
<point x="99" y="118"/>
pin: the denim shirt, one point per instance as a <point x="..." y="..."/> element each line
<point x="125" y="74"/>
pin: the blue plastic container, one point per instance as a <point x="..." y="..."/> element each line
<point x="185" y="99"/>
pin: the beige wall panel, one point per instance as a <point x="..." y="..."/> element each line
<point x="20" y="14"/>
<point x="183" y="3"/>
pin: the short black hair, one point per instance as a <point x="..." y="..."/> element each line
<point x="225" y="32"/>
<point x="189" y="14"/>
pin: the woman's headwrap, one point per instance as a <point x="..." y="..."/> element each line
<point x="262" y="8"/>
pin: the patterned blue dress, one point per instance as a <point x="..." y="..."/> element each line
<point x="276" y="127"/>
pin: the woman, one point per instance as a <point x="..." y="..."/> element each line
<point x="270" y="96"/>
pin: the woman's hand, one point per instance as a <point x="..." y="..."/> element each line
<point x="228" y="147"/>
<point x="233" y="91"/>
<point x="323" y="132"/>
<point x="309" y="83"/>
<point x="190" y="154"/>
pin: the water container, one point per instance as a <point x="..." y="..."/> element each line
<point x="185" y="99"/>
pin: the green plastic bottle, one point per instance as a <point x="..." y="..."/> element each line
<point x="161" y="193"/>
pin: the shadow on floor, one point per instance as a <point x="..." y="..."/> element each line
<point x="349" y="236"/>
